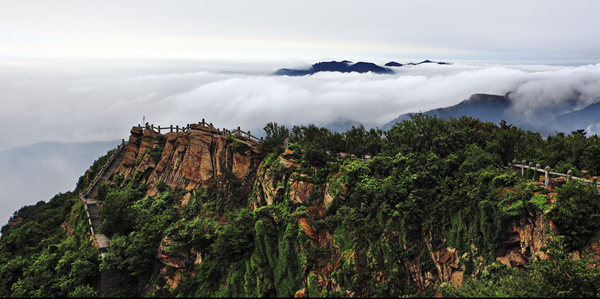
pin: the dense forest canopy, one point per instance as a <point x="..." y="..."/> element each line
<point x="429" y="183"/>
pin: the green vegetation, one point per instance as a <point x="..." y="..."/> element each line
<point x="560" y="276"/>
<point x="335" y="227"/>
<point x="577" y="213"/>
<point x="156" y="152"/>
<point x="45" y="249"/>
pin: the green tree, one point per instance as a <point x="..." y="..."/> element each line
<point x="576" y="212"/>
<point x="276" y="135"/>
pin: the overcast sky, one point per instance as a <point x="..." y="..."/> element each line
<point x="542" y="31"/>
<point x="81" y="71"/>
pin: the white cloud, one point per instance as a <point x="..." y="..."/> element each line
<point x="101" y="100"/>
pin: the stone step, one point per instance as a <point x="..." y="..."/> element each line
<point x="103" y="241"/>
<point x="93" y="210"/>
<point x="96" y="223"/>
<point x="105" y="284"/>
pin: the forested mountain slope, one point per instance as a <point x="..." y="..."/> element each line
<point x="201" y="213"/>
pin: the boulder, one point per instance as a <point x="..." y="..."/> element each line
<point x="146" y="163"/>
<point x="301" y="293"/>
<point x="300" y="191"/>
<point x="172" y="280"/>
<point x="137" y="131"/>
<point x="148" y="142"/>
<point x="131" y="152"/>
<point x="169" y="258"/>
<point x="457" y="278"/>
<point x="198" y="256"/>
<point x="516" y="259"/>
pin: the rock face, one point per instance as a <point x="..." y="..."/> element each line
<point x="197" y="157"/>
<point x="189" y="159"/>
<point x="171" y="259"/>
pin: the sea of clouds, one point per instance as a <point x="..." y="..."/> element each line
<point x="82" y="100"/>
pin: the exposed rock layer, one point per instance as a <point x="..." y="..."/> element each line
<point x="189" y="159"/>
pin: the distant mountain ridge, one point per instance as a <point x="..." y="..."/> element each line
<point x="495" y="108"/>
<point x="336" y="66"/>
<point x="346" y="66"/>
<point x="485" y="107"/>
<point x="587" y="118"/>
<point x="341" y="125"/>
<point x="49" y="167"/>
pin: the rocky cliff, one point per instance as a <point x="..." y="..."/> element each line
<point x="190" y="159"/>
<point x="302" y="236"/>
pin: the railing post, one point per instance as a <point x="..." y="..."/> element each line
<point x="286" y="142"/>
<point x="177" y="128"/>
<point x="569" y="174"/>
<point x="547" y="178"/>
<point x="594" y="180"/>
<point x="514" y="163"/>
<point x="158" y="129"/>
<point x="523" y="169"/>
<point x="171" y="128"/>
<point x="530" y="168"/>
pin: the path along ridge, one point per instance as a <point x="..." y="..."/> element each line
<point x="89" y="200"/>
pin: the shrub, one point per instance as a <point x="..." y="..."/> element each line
<point x="161" y="186"/>
<point x="540" y="202"/>
<point x="505" y="180"/>
<point x="239" y="147"/>
<point x="155" y="153"/>
<point x="576" y="212"/>
<point x="564" y="167"/>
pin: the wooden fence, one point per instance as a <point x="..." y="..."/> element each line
<point x="236" y="132"/>
<point x="547" y="173"/>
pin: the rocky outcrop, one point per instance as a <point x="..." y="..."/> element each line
<point x="300" y="190"/>
<point x="189" y="159"/>
<point x="172" y="259"/>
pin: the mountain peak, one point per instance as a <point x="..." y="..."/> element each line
<point x="393" y="63"/>
<point x="344" y="66"/>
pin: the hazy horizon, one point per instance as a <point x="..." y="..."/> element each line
<point x="83" y="100"/>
